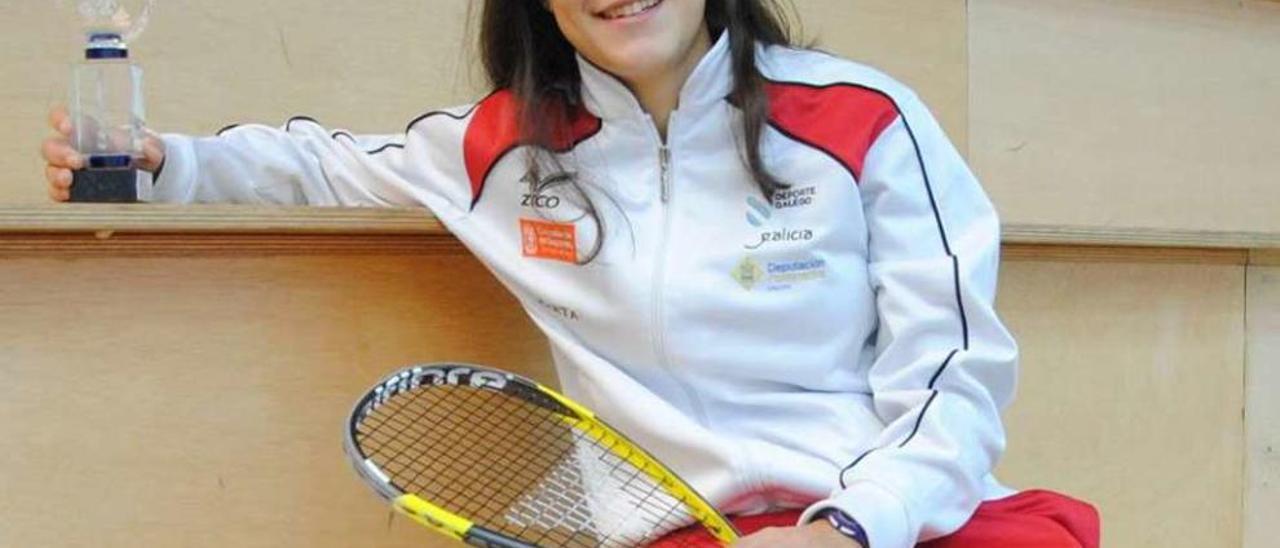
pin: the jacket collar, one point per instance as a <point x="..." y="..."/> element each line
<point x="710" y="82"/>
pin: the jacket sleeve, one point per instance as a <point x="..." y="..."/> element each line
<point x="945" y="366"/>
<point x="302" y="163"/>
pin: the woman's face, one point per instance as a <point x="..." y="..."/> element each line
<point x="635" y="39"/>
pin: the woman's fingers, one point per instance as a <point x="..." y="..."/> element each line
<point x="59" y="194"/>
<point x="152" y="153"/>
<point x="59" y="156"/>
<point x="58" y="177"/>
<point x="58" y="152"/>
<point x="60" y="120"/>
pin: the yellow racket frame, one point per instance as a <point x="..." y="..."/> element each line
<point x="433" y="517"/>
<point x="457" y="527"/>
<point x="616" y="443"/>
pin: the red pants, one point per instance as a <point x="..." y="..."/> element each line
<point x="1031" y="519"/>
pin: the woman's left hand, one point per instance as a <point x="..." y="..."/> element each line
<point x="818" y="534"/>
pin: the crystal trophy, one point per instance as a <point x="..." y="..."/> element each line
<point x="106" y="104"/>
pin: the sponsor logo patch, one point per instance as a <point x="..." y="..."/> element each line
<point x="542" y="194"/>
<point x="748" y="273"/>
<point x="548" y="240"/>
<point x="778" y="275"/>
<point x="782" y="235"/>
<point x="794" y="197"/>
<point x="759" y="215"/>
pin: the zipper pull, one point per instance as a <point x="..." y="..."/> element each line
<point x="664" y="160"/>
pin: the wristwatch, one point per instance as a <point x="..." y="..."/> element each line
<point x="845" y="525"/>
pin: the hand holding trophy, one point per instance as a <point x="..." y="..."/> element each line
<point x="107" y="116"/>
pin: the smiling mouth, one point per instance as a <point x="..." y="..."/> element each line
<point x="630" y="9"/>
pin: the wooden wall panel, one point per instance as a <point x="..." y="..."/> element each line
<point x="1262" y="450"/>
<point x="199" y="402"/>
<point x="1132" y="113"/>
<point x="1131" y="394"/>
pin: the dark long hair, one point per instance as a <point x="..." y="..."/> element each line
<point x="524" y="51"/>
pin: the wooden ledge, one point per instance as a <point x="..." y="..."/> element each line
<point x="224" y="219"/>
<point x="169" y="230"/>
<point x="1140" y="237"/>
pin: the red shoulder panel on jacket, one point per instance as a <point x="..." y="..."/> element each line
<point x="493" y="132"/>
<point x="842" y="120"/>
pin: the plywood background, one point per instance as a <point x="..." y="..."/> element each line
<point x="1262" y="450"/>
<point x="1133" y="113"/>
<point x="1131" y="393"/>
<point x="197" y="401"/>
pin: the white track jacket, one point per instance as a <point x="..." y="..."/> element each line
<point x="833" y="347"/>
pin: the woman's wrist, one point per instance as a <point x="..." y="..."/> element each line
<point x="844" y="525"/>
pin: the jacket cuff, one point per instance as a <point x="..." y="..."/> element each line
<point x="879" y="511"/>
<point x="177" y="181"/>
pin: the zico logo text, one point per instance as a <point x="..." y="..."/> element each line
<point x="538" y="201"/>
<point x="541" y="190"/>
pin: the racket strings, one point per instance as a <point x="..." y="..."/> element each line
<point x="516" y="468"/>
<point x="612" y="497"/>
<point x="432" y="447"/>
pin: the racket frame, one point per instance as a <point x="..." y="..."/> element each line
<point x="425" y="376"/>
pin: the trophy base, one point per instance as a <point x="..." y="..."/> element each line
<point x="115" y="186"/>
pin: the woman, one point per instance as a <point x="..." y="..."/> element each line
<point x="765" y="263"/>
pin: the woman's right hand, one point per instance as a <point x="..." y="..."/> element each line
<point x="60" y="158"/>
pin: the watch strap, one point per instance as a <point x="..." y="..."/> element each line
<point x="845" y="525"/>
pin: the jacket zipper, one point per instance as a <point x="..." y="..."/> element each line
<point x="660" y="275"/>
<point x="664" y="160"/>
